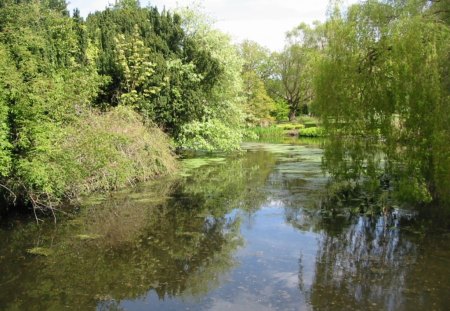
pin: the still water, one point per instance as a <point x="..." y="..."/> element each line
<point x="240" y="232"/>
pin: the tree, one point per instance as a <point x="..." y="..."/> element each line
<point x="258" y="104"/>
<point x="257" y="59"/>
<point x="384" y="74"/>
<point x="9" y="78"/>
<point x="155" y="65"/>
<point x="53" y="145"/>
<point x="159" y="32"/>
<point x="292" y="82"/>
<point x="139" y="86"/>
<point x="221" y="125"/>
<point x="256" y="71"/>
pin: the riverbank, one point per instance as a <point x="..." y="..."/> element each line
<point x="97" y="152"/>
<point x="239" y="231"/>
<point x="304" y="126"/>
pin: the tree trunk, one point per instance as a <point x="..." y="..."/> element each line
<point x="292" y="115"/>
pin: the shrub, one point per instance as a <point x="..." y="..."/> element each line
<point x="290" y="126"/>
<point x="212" y="135"/>
<point x="100" y="151"/>
<point x="312" y="132"/>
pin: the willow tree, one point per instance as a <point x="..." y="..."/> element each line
<point x="384" y="76"/>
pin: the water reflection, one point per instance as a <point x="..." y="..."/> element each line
<point x="174" y="237"/>
<point x="373" y="265"/>
<point x="246" y="232"/>
<point x="397" y="171"/>
<point x="176" y="252"/>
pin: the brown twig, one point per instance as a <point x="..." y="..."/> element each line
<point x="13" y="194"/>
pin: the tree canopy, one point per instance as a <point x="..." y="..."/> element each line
<point x="62" y="76"/>
<point x="377" y="71"/>
<point x="384" y="74"/>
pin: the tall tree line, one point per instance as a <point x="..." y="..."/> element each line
<point x="75" y="93"/>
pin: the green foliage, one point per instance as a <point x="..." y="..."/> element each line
<point x="257" y="59"/>
<point x="156" y="37"/>
<point x="385" y="73"/>
<point x="263" y="133"/>
<point x="52" y="146"/>
<point x="259" y="104"/>
<point x="281" y="111"/>
<point x="220" y="126"/>
<point x="308" y="120"/>
<point x="287" y="129"/>
<point x="174" y="69"/>
<point x="257" y="68"/>
<point x="292" y="77"/>
<point x="182" y="99"/>
<point x="139" y="85"/>
<point x="9" y="77"/>
<point x="104" y="151"/>
<point x="312" y="132"/>
<point x="210" y="135"/>
<point x="290" y="126"/>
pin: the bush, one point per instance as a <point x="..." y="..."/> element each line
<point x="281" y="112"/>
<point x="100" y="151"/>
<point x="290" y="126"/>
<point x="212" y="135"/>
<point x="312" y="132"/>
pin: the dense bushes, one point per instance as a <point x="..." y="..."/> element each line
<point x="54" y="145"/>
<point x="99" y="151"/>
<point x="312" y="132"/>
<point x="173" y="68"/>
<point x="77" y="97"/>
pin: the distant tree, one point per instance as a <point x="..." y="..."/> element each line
<point x="256" y="71"/>
<point x="258" y="104"/>
<point x="295" y="65"/>
<point x="257" y="59"/>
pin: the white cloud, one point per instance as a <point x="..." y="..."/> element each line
<point x="263" y="21"/>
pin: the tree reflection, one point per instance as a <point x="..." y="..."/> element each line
<point x="367" y="167"/>
<point x="175" y="237"/>
<point x="368" y="264"/>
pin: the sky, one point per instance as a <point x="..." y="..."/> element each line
<point x="263" y="21"/>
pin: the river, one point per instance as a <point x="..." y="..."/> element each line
<point x="238" y="232"/>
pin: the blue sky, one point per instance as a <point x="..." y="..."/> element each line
<point x="263" y="21"/>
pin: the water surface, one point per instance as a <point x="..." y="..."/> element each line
<point x="238" y="232"/>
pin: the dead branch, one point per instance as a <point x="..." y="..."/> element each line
<point x="10" y="191"/>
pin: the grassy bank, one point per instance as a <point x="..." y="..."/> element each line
<point x="97" y="152"/>
<point x="305" y="126"/>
